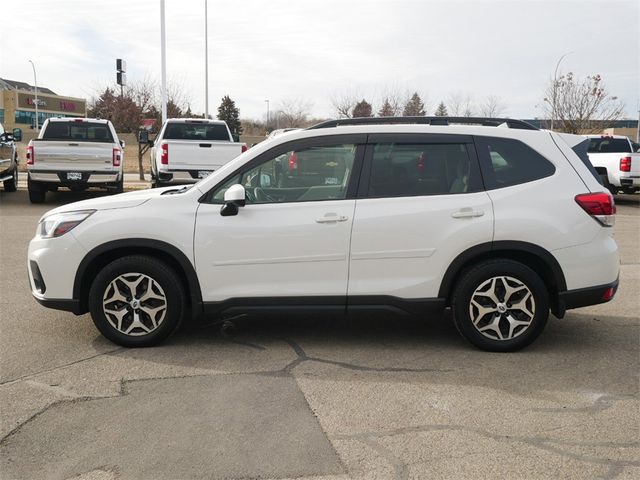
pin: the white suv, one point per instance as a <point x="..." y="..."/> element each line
<point x="496" y="219"/>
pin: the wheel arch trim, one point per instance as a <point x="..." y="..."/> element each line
<point x="493" y="249"/>
<point x="142" y="246"/>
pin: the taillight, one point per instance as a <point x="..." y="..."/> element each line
<point x="164" y="156"/>
<point x="117" y="157"/>
<point x="625" y="164"/>
<point x="244" y="148"/>
<point x="608" y="294"/>
<point x="293" y="162"/>
<point x="31" y="155"/>
<point x="600" y="206"/>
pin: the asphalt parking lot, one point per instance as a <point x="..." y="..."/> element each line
<point x="317" y="398"/>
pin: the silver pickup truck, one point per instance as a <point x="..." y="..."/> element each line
<point x="76" y="153"/>
<point x="188" y="149"/>
<point x="9" y="158"/>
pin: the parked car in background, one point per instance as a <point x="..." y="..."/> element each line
<point x="616" y="161"/>
<point x="9" y="158"/>
<point x="188" y="149"/>
<point x="495" y="223"/>
<point x="76" y="153"/>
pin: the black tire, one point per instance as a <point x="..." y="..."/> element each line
<point x="471" y="283"/>
<point x="37" y="193"/>
<point x="11" y="185"/>
<point x="120" y="185"/>
<point x="605" y="182"/>
<point x="171" y="288"/>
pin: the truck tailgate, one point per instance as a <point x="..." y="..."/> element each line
<point x="200" y="155"/>
<point x="79" y="156"/>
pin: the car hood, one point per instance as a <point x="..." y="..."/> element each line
<point x="122" y="200"/>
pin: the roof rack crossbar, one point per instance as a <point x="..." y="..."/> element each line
<point x="484" y="121"/>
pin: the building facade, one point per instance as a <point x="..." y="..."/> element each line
<point x="18" y="105"/>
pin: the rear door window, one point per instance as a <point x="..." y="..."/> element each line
<point x="407" y="170"/>
<point x="78" y="131"/>
<point x="506" y="162"/>
<point x="196" y="131"/>
<point x="609" y="145"/>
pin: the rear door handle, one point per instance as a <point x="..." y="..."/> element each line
<point x="332" y="218"/>
<point x="467" y="213"/>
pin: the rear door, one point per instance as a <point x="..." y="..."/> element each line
<point x="421" y="203"/>
<point x="77" y="145"/>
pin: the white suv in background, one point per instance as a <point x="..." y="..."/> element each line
<point x="496" y="219"/>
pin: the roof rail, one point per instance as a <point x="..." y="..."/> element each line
<point x="484" y="121"/>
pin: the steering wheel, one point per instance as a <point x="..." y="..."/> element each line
<point x="261" y="196"/>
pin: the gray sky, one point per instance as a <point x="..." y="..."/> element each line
<point x="314" y="50"/>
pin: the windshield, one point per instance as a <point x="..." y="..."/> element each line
<point x="82" y="131"/>
<point x="609" y="145"/>
<point x="196" y="131"/>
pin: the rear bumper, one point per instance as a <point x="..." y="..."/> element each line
<point x="88" y="177"/>
<point x="583" y="297"/>
<point x="181" y="176"/>
<point x="630" y="182"/>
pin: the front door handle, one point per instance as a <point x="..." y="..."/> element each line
<point x="467" y="213"/>
<point x="332" y="218"/>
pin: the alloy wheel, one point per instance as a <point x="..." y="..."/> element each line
<point x="134" y="304"/>
<point x="502" y="308"/>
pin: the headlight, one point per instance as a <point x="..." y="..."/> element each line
<point x="58" y="224"/>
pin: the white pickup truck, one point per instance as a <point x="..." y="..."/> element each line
<point x="614" y="158"/>
<point x="76" y="153"/>
<point x="188" y="149"/>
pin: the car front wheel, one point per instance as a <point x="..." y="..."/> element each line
<point x="136" y="301"/>
<point x="500" y="305"/>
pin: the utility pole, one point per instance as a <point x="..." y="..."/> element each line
<point x="163" y="64"/>
<point x="267" y="101"/>
<point x="206" y="62"/>
<point x="35" y="81"/>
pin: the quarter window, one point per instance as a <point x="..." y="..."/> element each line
<point x="403" y="170"/>
<point x="511" y="162"/>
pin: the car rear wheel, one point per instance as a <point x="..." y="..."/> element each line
<point x="37" y="192"/>
<point x="136" y="301"/>
<point x="500" y="305"/>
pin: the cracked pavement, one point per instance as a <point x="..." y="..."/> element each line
<point x="315" y="398"/>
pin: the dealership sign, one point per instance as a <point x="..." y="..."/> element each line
<point x="32" y="101"/>
<point x="52" y="104"/>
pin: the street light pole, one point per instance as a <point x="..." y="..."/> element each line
<point x="267" y="101"/>
<point x="163" y="64"/>
<point x="555" y="88"/>
<point x="206" y="62"/>
<point x="35" y="81"/>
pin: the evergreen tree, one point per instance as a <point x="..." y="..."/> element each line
<point x="441" y="111"/>
<point x="414" y="107"/>
<point x="362" y="109"/>
<point x="228" y="112"/>
<point x="386" y="110"/>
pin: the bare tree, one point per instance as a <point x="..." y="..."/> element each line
<point x="581" y="105"/>
<point x="396" y="97"/>
<point x="293" y="112"/>
<point x="344" y="102"/>
<point x="461" y="105"/>
<point x="492" y="106"/>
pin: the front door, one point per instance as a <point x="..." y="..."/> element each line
<point x="291" y="239"/>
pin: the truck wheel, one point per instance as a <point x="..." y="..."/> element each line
<point x="500" y="305"/>
<point x="11" y="185"/>
<point x="120" y="185"/>
<point x="605" y="182"/>
<point x="157" y="184"/>
<point x="36" y="192"/>
<point x="137" y="301"/>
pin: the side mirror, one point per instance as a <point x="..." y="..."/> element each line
<point x="17" y="134"/>
<point x="122" y="143"/>
<point x="234" y="198"/>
